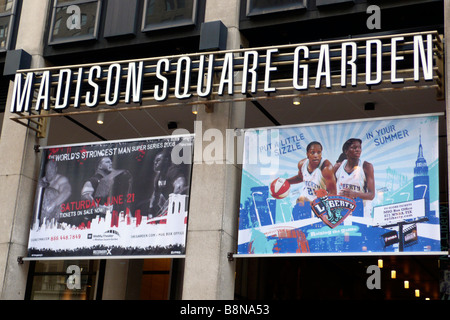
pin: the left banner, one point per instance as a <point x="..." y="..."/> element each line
<point x="113" y="199"/>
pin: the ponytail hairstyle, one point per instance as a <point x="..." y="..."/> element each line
<point x="345" y="147"/>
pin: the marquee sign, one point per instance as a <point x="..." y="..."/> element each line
<point x="299" y="69"/>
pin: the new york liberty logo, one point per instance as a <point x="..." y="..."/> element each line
<point x="332" y="210"/>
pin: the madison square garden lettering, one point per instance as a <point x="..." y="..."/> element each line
<point x="109" y="83"/>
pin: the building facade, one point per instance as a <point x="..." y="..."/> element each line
<point x="57" y="37"/>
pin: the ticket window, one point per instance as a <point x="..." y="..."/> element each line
<point x="48" y="280"/>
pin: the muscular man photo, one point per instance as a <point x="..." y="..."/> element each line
<point x="106" y="182"/>
<point x="55" y="189"/>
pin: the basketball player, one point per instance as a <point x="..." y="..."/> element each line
<point x="354" y="177"/>
<point x="315" y="172"/>
<point x="56" y="189"/>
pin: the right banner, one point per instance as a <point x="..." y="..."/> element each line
<point x="364" y="186"/>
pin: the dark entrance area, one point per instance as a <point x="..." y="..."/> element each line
<point x="340" y="278"/>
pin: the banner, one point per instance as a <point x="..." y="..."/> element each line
<point x="360" y="186"/>
<point x="122" y="198"/>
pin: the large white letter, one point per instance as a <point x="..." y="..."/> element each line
<point x="164" y="89"/>
<point x="246" y="70"/>
<point x="114" y="71"/>
<point x="187" y="77"/>
<point x="427" y="62"/>
<point x="64" y="75"/>
<point x="378" y="75"/>
<point x="134" y="82"/>
<point x="92" y="98"/>
<point x="394" y="60"/>
<point x="269" y="69"/>
<point x="21" y="99"/>
<point x="201" y="76"/>
<point x="304" y="67"/>
<point x="44" y="92"/>
<point x="227" y="74"/>
<point x="76" y="101"/>
<point x="324" y="61"/>
<point x="351" y="63"/>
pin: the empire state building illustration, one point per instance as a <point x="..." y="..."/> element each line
<point x="421" y="180"/>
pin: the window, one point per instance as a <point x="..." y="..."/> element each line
<point x="7" y="9"/>
<point x="328" y="2"/>
<point x="74" y="20"/>
<point x="49" y="280"/>
<point x="258" y="7"/>
<point x="161" y="14"/>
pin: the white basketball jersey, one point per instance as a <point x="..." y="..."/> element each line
<point x="356" y="180"/>
<point x="312" y="181"/>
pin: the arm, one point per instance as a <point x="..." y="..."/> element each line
<point x="330" y="179"/>
<point x="64" y="191"/>
<point x="299" y="177"/>
<point x="336" y="166"/>
<point x="87" y="191"/>
<point x="370" y="181"/>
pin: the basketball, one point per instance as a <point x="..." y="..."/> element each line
<point x="279" y="188"/>
<point x="321" y="193"/>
